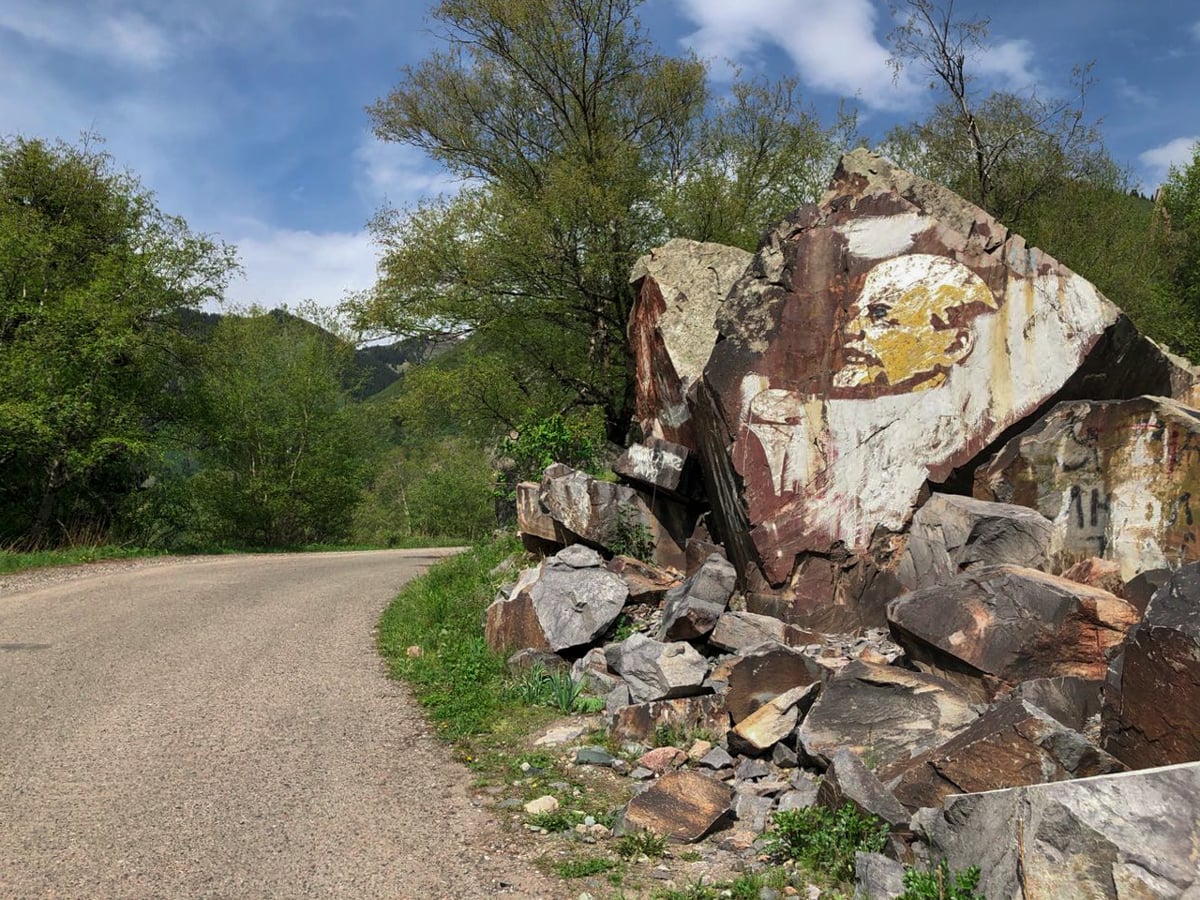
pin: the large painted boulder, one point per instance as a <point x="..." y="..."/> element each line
<point x="1120" y="480"/>
<point x="672" y="328"/>
<point x="879" y="342"/>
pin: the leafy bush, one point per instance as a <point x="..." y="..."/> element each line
<point x="825" y="842"/>
<point x="539" y="442"/>
<point x="940" y="883"/>
<point x="559" y="690"/>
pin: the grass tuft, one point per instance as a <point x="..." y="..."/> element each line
<point x="457" y="678"/>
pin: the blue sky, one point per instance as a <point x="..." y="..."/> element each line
<point x="246" y="116"/>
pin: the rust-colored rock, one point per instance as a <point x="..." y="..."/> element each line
<point x="647" y="582"/>
<point x="672" y="328"/>
<point x="762" y="674"/>
<point x="872" y="710"/>
<point x="878" y="342"/>
<point x="533" y="519"/>
<point x="1001" y="625"/>
<point x="683" y="806"/>
<point x="511" y="622"/>
<point x="1152" y="712"/>
<point x="1117" y="478"/>
<point x="773" y="721"/>
<point x="1098" y="573"/>
<point x="1010" y="745"/>
<point x="684" y="715"/>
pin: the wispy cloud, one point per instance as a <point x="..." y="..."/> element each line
<point x="283" y="266"/>
<point x="1132" y="94"/>
<point x="1173" y="153"/>
<point x="124" y="38"/>
<point x="1195" y="29"/>
<point x="398" y="174"/>
<point x="832" y="45"/>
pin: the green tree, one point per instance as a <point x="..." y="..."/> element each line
<point x="579" y="147"/>
<point x="283" y="452"/>
<point x="91" y="273"/>
<point x="1180" y="227"/>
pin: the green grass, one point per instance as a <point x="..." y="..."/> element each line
<point x="11" y="561"/>
<point x="457" y="678"/>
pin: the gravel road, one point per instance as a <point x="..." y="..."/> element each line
<point x="222" y="727"/>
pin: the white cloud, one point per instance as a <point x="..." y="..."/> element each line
<point x="1173" y="153"/>
<point x="121" y="39"/>
<point x="1009" y="62"/>
<point x="282" y="266"/>
<point x="1195" y="29"/>
<point x="398" y="174"/>
<point x="832" y="45"/>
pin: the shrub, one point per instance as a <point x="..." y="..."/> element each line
<point x="940" y="883"/>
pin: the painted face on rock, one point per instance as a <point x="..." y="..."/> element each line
<point x="911" y="323"/>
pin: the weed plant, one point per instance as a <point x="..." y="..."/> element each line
<point x="940" y="883"/>
<point x="825" y="842"/>
<point x="641" y="843"/>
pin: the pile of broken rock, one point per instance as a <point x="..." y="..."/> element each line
<point x="918" y="501"/>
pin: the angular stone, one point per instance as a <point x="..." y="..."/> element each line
<point x="657" y="671"/>
<point x="878" y="342"/>
<point x="640" y="721"/>
<point x="660" y="759"/>
<point x="593" y="756"/>
<point x="876" y="877"/>
<point x="1140" y="589"/>
<point x="1073" y="701"/>
<point x="692" y="608"/>
<point x="1010" y="624"/>
<point x="784" y="756"/>
<point x="533" y="518"/>
<point x="952" y="534"/>
<point x="608" y="515"/>
<point x="1116" y="478"/>
<point x="575" y="605"/>
<point x="1118" y="837"/>
<point x="511" y="623"/>
<point x="752" y="810"/>
<point x="1010" y="745"/>
<point x="750" y="769"/>
<point x="528" y="659"/>
<point x="773" y="721"/>
<point x="592" y="670"/>
<point x="848" y="780"/>
<point x="1098" y="573"/>
<point x="738" y="631"/>
<point x="576" y="556"/>
<point x="761" y="675"/>
<point x="647" y="583"/>
<point x="660" y="465"/>
<point x="544" y="804"/>
<point x="881" y="714"/>
<point x="672" y="328"/>
<point x="1153" y="716"/>
<point x="684" y="806"/>
<point x="716" y="758"/>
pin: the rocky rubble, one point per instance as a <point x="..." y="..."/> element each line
<point x="831" y="619"/>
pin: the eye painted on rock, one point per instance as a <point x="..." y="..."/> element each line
<point x="878" y="311"/>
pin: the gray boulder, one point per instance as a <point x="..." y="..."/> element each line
<point x="655" y="670"/>
<point x="952" y="534"/>
<point x="693" y="608"/>
<point x="1132" y="836"/>
<point x="575" y="600"/>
